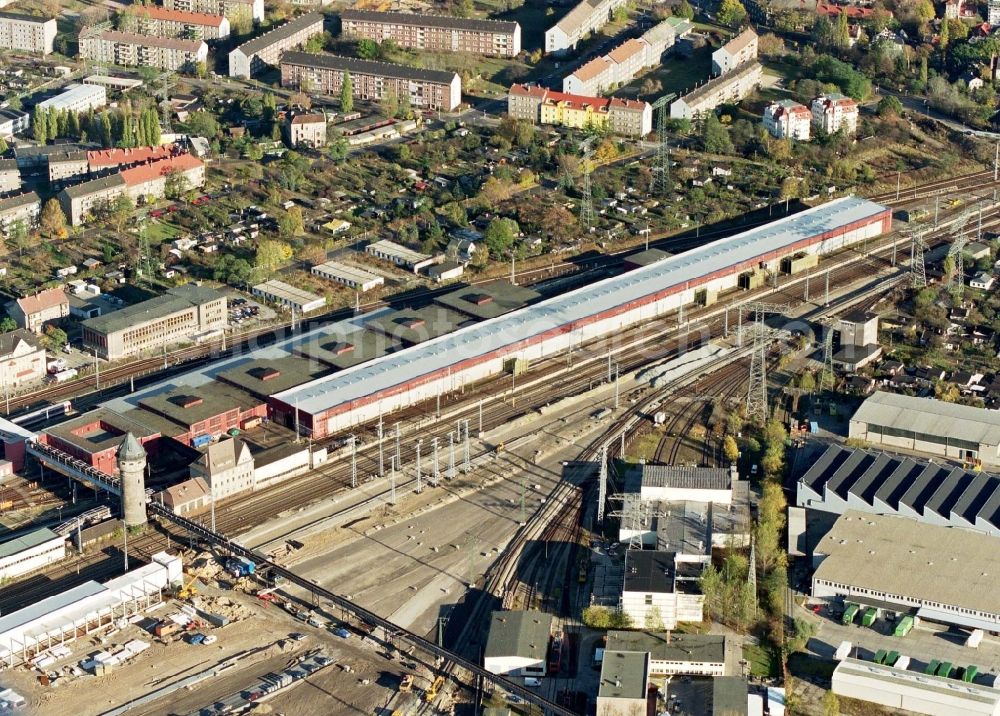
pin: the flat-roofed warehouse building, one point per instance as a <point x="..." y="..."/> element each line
<point x="912" y="691"/>
<point x="29" y="552"/>
<point x="175" y="316"/>
<point x="624" y="685"/>
<point x="926" y="425"/>
<point x="839" y="478"/>
<point x="263" y="378"/>
<point x="488" y="300"/>
<point x="697" y="484"/>
<point x="902" y="565"/>
<point x="254" y="55"/>
<point x="435" y="33"/>
<point x="399" y="255"/>
<point x="518" y="643"/>
<point x="350" y="276"/>
<point x="411" y="326"/>
<point x="671" y="654"/>
<point x="289" y="296"/>
<point x="345" y="350"/>
<point x="324" y="74"/>
<point x="358" y="394"/>
<point x="206" y="413"/>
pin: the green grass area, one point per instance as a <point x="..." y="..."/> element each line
<point x="677" y="75"/>
<point x="644" y="447"/>
<point x="763" y="660"/>
<point x="158" y="231"/>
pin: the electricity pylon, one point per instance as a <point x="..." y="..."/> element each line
<point x="757" y="390"/>
<point x="662" y="169"/>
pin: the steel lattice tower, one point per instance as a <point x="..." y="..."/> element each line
<point x="757" y="389"/>
<point x="918" y="268"/>
<point x="826" y="377"/>
<point x="602" y="477"/>
<point x="662" y="168"/>
<point x="956" y="282"/>
<point x="587" y="195"/>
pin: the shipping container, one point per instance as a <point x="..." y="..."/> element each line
<point x="843" y="651"/>
<point x="891" y="658"/>
<point x="932" y="667"/>
<point x="850" y="611"/>
<point x="974" y="639"/>
<point x="902" y="662"/>
<point x="903" y="626"/>
<point x="868" y="618"/>
<point x="945" y="669"/>
<point x="880" y="656"/>
<point x="969" y="673"/>
<point x="201" y="440"/>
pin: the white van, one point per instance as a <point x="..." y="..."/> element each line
<point x="531" y="682"/>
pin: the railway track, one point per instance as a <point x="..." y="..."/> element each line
<point x="558" y="376"/>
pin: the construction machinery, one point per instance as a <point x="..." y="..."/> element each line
<point x="432" y="692"/>
<point x="406" y="683"/>
<point x="188" y="590"/>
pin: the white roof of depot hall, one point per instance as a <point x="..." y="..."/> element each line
<point x="930" y="417"/>
<point x="494" y="334"/>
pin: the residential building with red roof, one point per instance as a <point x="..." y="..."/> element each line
<point x="164" y="22"/>
<point x="33" y="312"/>
<point x="834" y="111"/>
<point x="788" y="120"/>
<point x="542" y="106"/>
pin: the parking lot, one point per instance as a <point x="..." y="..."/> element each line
<point x="923" y="644"/>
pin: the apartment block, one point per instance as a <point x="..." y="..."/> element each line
<point x="232" y="9"/>
<point x="265" y="50"/>
<point x="10" y="176"/>
<point x="13" y="121"/>
<point x="730" y="87"/>
<point x="27" y="32"/>
<point x="80" y="200"/>
<point x="788" y="120"/>
<point x="833" y="112"/>
<point x="128" y="49"/>
<point x="79" y="162"/>
<point x="162" y="22"/>
<point x="585" y="17"/>
<point x="626" y="61"/>
<point x="77" y="98"/>
<point x="738" y="51"/>
<point x="629" y="118"/>
<point x="435" y="33"/>
<point x="425" y="89"/>
<point x="993" y="13"/>
<point x="23" y="207"/>
<point x="175" y="316"/>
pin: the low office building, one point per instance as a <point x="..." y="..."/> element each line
<point x="904" y="566"/>
<point x="735" y="53"/>
<point x="624" y="685"/>
<point x="10" y="176"/>
<point x="730" y="87"/>
<point x="22" y="359"/>
<point x="833" y="112"/>
<point x="585" y="17"/>
<point x="788" y="120"/>
<point x="518" y="643"/>
<point x="926" y="425"/>
<point x="33" y="312"/>
<point x="128" y="49"/>
<point x="539" y="105"/>
<point x="22" y="207"/>
<point x="95" y="437"/>
<point x="289" y="296"/>
<point x="31" y="552"/>
<point x="232" y="9"/>
<point x="13" y="121"/>
<point x="673" y="654"/>
<point x="400" y="255"/>
<point x="227" y="467"/>
<point x="174" y="317"/>
<point x="434" y="33"/>
<point x="913" y="691"/>
<point x="163" y="22"/>
<point x="350" y="276"/>
<point x="305" y="130"/>
<point x="374" y="81"/>
<point x="659" y="592"/>
<point x="27" y="33"/>
<point x="253" y="56"/>
<point x="839" y="479"/>
<point x="76" y="98"/>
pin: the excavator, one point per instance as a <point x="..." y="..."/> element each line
<point x="432" y="692"/>
<point x="188" y="590"/>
